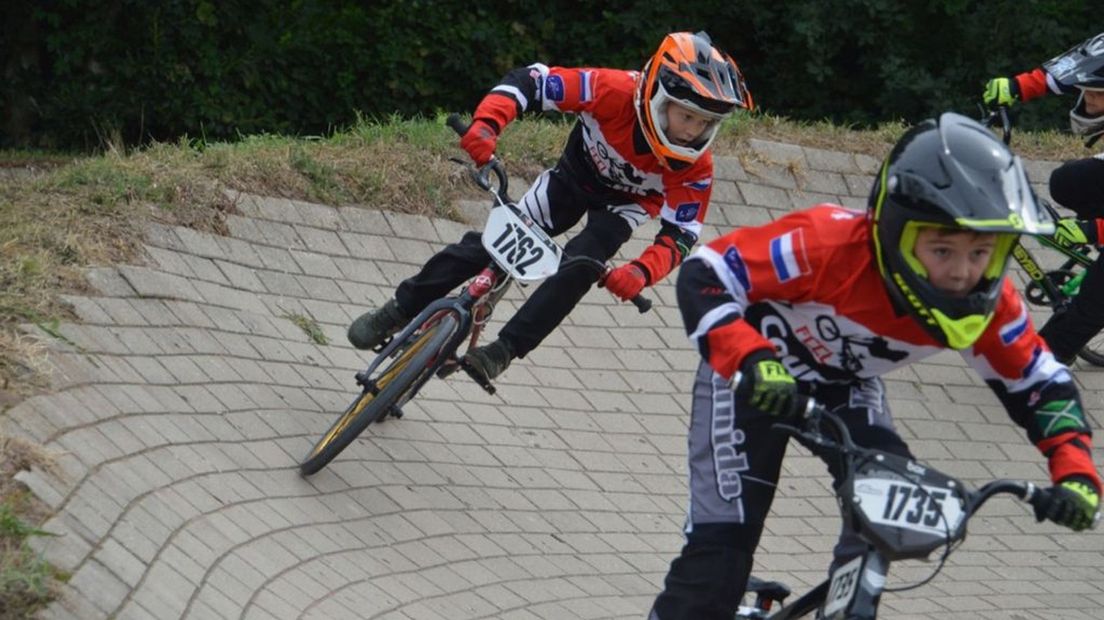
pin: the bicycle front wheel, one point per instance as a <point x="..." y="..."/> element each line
<point x="406" y="372"/>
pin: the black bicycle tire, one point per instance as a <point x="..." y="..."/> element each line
<point x="374" y="405"/>
<point x="1092" y="354"/>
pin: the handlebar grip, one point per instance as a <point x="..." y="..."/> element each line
<point x="1039" y="499"/>
<point x="803" y="405"/>
<point x="457" y="125"/>
<point x="999" y="116"/>
<point x="642" y="303"/>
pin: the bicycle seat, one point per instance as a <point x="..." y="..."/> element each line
<point x="772" y="590"/>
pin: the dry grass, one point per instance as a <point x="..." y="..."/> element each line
<point x="1046" y="145"/>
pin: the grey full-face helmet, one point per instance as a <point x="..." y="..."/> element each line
<point x="1082" y="67"/>
<point x="952" y="173"/>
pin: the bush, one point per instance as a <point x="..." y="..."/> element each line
<point x="83" y="73"/>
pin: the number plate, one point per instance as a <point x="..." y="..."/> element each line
<point x="929" y="510"/>
<point x="519" y="246"/>
<point x="842" y="588"/>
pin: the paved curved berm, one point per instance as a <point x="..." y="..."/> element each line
<point x="186" y="395"/>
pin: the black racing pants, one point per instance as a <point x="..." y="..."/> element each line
<point x="556" y="202"/>
<point x="1079" y="185"/>
<point x="735" y="459"/>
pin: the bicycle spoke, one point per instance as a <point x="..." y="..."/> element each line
<point x="396" y="384"/>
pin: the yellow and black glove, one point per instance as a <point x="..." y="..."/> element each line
<point x="766" y="385"/>
<point x="1074" y="503"/>
<point x="1001" y="91"/>
<point x="1071" y="232"/>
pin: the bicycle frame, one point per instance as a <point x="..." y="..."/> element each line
<point x="461" y="306"/>
<point x="1057" y="294"/>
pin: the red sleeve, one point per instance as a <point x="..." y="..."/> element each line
<point x="1070" y="454"/>
<point x="1033" y="84"/>
<point x="499" y="110"/>
<point x="1036" y="390"/>
<point x="685" y="203"/>
<point x="568" y="89"/>
<point x="725" y="358"/>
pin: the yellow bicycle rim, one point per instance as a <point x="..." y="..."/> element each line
<point x="382" y="382"/>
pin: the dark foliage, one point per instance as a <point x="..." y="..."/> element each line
<point x="77" y="73"/>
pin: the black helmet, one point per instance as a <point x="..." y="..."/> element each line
<point x="1082" y="67"/>
<point x="954" y="173"/>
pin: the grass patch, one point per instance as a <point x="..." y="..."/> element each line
<point x="27" y="582"/>
<point x="309" y="326"/>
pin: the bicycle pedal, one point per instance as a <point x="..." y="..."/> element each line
<point x="477" y="376"/>
<point x="450" y="366"/>
<point x="364" y="381"/>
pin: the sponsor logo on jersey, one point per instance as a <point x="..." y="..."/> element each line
<point x="730" y="459"/>
<point x="687" y="211"/>
<point x="788" y="256"/>
<point x="1012" y="330"/>
<point x="737" y="267"/>
<point x="701" y="185"/>
<point x="554" y="88"/>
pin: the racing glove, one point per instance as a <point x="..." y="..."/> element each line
<point x="626" y="281"/>
<point x="480" y="141"/>
<point x="1070" y="232"/>
<point x="1001" y="91"/>
<point x="766" y="385"/>
<point x="1074" y="503"/>
<point x="491" y="116"/>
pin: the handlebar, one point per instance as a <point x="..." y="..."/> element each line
<point x="1000" y="115"/>
<point x="643" y="304"/>
<point x="811" y="414"/>
<point x="481" y="177"/>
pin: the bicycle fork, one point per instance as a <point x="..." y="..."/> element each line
<point x="480" y="297"/>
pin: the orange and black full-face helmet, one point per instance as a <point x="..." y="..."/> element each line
<point x="689" y="71"/>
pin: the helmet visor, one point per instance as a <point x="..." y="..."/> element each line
<point x="677" y="88"/>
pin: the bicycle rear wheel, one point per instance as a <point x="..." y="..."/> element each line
<point x="406" y="372"/>
<point x="1093" y="351"/>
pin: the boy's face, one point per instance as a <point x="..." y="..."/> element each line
<point x="685" y="126"/>
<point x="955" y="259"/>
<point x="1094" y="102"/>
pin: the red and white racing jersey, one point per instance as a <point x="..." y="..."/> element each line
<point x="808" y="287"/>
<point x="607" y="143"/>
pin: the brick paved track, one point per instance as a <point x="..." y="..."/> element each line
<point x="186" y="396"/>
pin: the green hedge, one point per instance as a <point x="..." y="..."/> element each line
<point x="79" y="72"/>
